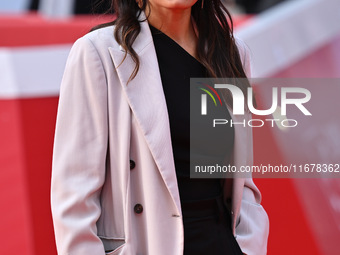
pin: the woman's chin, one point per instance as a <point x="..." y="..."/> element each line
<point x="174" y="4"/>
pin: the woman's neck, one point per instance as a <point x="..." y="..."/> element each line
<point x="175" y="23"/>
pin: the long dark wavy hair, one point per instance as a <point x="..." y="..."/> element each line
<point x="216" y="48"/>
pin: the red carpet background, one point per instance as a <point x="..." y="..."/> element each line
<point x="27" y="122"/>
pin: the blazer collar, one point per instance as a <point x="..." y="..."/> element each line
<point x="147" y="101"/>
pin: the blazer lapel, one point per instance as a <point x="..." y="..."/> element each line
<point x="147" y="101"/>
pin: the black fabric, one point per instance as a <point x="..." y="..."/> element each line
<point x="177" y="66"/>
<point x="207" y="229"/>
<point x="207" y="223"/>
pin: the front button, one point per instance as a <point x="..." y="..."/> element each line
<point x="132" y="164"/>
<point x="138" y="208"/>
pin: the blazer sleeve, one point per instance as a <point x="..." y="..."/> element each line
<point x="79" y="153"/>
<point x="252" y="229"/>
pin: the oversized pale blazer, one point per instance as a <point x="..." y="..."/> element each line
<point x="102" y="124"/>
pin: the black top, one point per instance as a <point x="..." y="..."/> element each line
<point x="177" y="66"/>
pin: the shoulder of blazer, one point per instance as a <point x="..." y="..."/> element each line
<point x="103" y="38"/>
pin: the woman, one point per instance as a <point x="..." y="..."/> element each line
<point x="120" y="180"/>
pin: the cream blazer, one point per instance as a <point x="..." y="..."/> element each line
<point x="102" y="124"/>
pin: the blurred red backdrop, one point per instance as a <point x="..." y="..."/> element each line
<point x="26" y="135"/>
